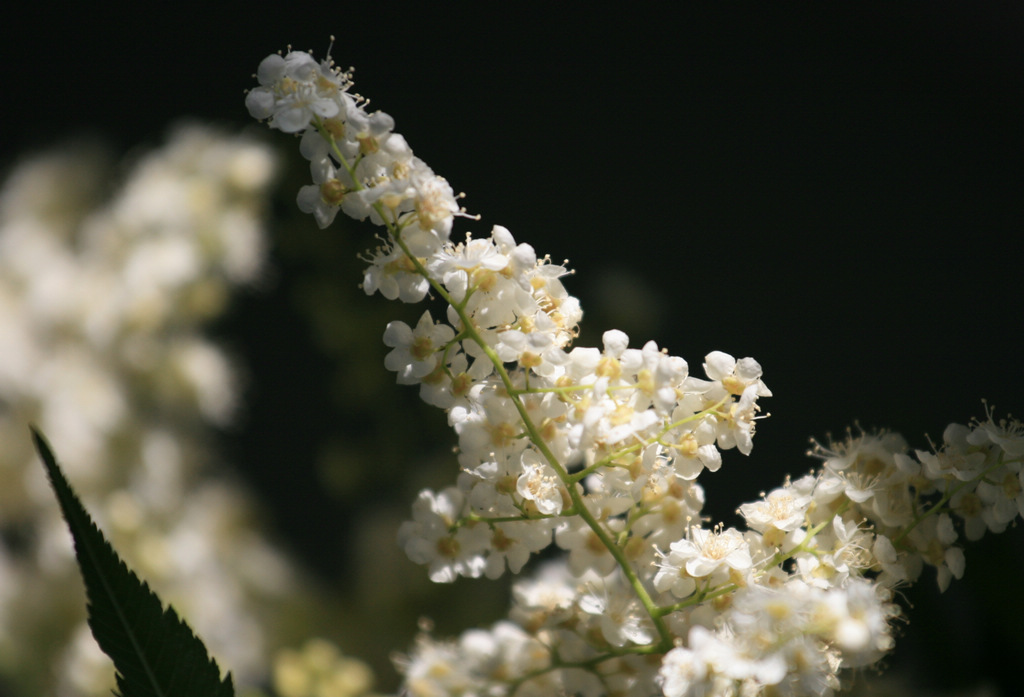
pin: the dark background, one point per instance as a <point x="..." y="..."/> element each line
<point x="834" y="191"/>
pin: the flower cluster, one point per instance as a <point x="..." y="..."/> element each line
<point x="806" y="591"/>
<point x="548" y="435"/>
<point x="915" y="508"/>
<point x="103" y="297"/>
<point x="380" y="176"/>
<point x="598" y="451"/>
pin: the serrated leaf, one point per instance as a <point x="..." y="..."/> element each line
<point x="155" y="653"/>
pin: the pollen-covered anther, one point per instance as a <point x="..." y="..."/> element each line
<point x="422" y="348"/>
<point x="734" y="385"/>
<point x="500" y="541"/>
<point x="635" y="548"/>
<point x="392" y="201"/>
<point x="334" y="127"/>
<point x="483" y="279"/>
<point x="461" y="384"/>
<point x="652" y="494"/>
<point x="609" y="367"/>
<point x="507" y="484"/>
<point x="434" y="377"/>
<point x="503" y="434"/>
<point x="970" y="506"/>
<point x="400" y="170"/>
<point x="636" y="468"/>
<point x="402" y="263"/>
<point x="368" y="145"/>
<point x="549" y="429"/>
<point x="527" y="325"/>
<point x="325" y="84"/>
<point x="623" y="414"/>
<point x="1011" y="486"/>
<point x="773" y="537"/>
<point x="448" y="547"/>
<point x="433" y="205"/>
<point x="722" y="602"/>
<point x="594" y="543"/>
<point x="645" y="381"/>
<point x="873" y="467"/>
<point x="934" y="553"/>
<point x="287" y="85"/>
<point x="547" y="303"/>
<point x="529" y="360"/>
<point x="688" y="446"/>
<point x="671" y="510"/>
<point x="333" y="192"/>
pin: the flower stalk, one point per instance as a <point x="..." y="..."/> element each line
<point x="598" y="451"/>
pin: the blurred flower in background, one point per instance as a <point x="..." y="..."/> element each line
<point x="115" y="274"/>
<point x="318" y="669"/>
<point x="105" y="288"/>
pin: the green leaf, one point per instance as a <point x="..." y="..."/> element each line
<point x="154" y="652"/>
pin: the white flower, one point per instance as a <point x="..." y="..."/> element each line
<point x="957" y="457"/>
<point x="513" y="542"/>
<point x="707" y="551"/>
<point x="434" y="203"/>
<point x="586" y="551"/>
<point x="620" y="616"/>
<point x="432" y="537"/>
<point x="328" y="193"/>
<point x="475" y="258"/>
<point x="551" y="592"/>
<point x="783" y="509"/>
<point x="371" y="131"/>
<point x="293" y="90"/>
<point x="856" y="617"/>
<point x="540" y="484"/>
<point x="712" y="664"/>
<point x="1002" y="496"/>
<point x="391" y="274"/>
<point x="735" y="376"/>
<point x="683" y="670"/>
<point x="1008" y="434"/>
<point x="893" y="566"/>
<point x="673" y="577"/>
<point x="737" y="428"/>
<point x="415" y="352"/>
<point x="437" y="669"/>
